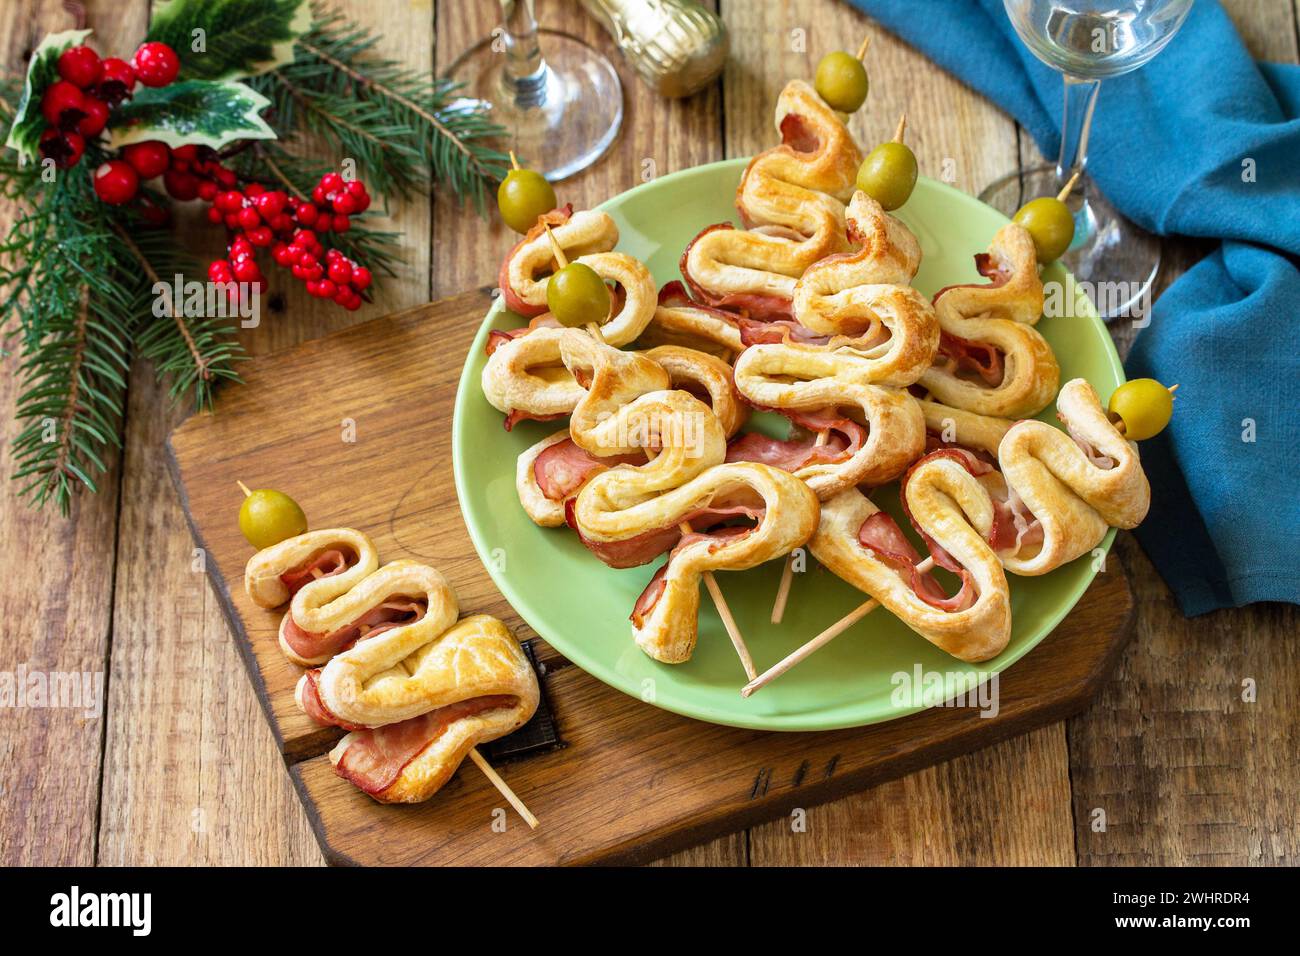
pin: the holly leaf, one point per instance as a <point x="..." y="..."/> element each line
<point x="227" y="39"/>
<point x="202" y="112"/>
<point x="43" y="69"/>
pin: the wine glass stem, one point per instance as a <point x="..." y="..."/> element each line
<point x="525" y="70"/>
<point x="1076" y="121"/>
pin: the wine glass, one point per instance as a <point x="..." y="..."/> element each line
<point x="560" y="101"/>
<point x="1086" y="41"/>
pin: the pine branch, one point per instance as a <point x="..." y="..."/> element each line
<point x="402" y="128"/>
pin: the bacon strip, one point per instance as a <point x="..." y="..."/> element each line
<point x="315" y="707"/>
<point x="397" y="612"/>
<point x="986" y="266"/>
<point x="563" y="468"/>
<point x="846" y="437"/>
<point x="777" y="331"/>
<point x="964" y="355"/>
<point x="648" y="545"/>
<point x="324" y="565"/>
<point x="881" y="535"/>
<point x="753" y="303"/>
<point x="649" y="597"/>
<point x="375" y="758"/>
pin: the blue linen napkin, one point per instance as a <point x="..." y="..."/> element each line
<point x="1167" y="147"/>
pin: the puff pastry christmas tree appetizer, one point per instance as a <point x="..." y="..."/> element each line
<point x="417" y="689"/>
<point x="1026" y="497"/>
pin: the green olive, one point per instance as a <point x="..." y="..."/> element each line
<point x="1144" y="405"/>
<point x="576" y="296"/>
<point x="1050" y="224"/>
<point x="268" y="517"/>
<point x="888" y="174"/>
<point x="523" y="196"/>
<point x="842" y="81"/>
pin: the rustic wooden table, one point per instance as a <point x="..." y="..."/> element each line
<point x="181" y="768"/>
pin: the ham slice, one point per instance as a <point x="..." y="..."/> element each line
<point x="964" y="355"/>
<point x="516" y="416"/>
<point x="986" y="266"/>
<point x="499" y="337"/>
<point x="375" y="758"/>
<point x="323" y="565"/>
<point x="655" y="589"/>
<point x="563" y="468"/>
<point x="554" y="219"/>
<point x="315" y="707"/>
<point x="777" y="331"/>
<point x="395" y="612"/>
<point x="846" y="437"/>
<point x="648" y="545"/>
<point x="882" y="536"/>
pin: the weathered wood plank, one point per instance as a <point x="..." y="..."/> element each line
<point x="191" y="773"/>
<point x="57" y="596"/>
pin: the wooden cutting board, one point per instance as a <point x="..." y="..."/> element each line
<point x="357" y="427"/>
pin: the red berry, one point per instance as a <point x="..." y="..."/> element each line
<point x="356" y="188"/>
<point x="226" y="177"/>
<point x="282" y="254"/>
<point x="345" y="204"/>
<point x="181" y="185"/>
<point x="116" y="80"/>
<point x="229" y="201"/>
<point x="360" y="278"/>
<point x="232" y="220"/>
<point x="189" y="152"/>
<point x="219" y="271"/>
<point x="156" y="64"/>
<point x="79" y="65"/>
<point x="261" y="236"/>
<point x="340" y="271"/>
<point x="246" y="271"/>
<point x="342" y="224"/>
<point x="65" y="148"/>
<point x="248" y="218"/>
<point x="281" y="224"/>
<point x="208" y="192"/>
<point x="307" y="214"/>
<point x="149" y="158"/>
<point x="63" y="105"/>
<point x="318" y="195"/>
<point x="214" y="214"/>
<point x="240" y="246"/>
<point x="116" y="182"/>
<point x="330" y="182"/>
<point x="270" y="204"/>
<point x="96" y="118"/>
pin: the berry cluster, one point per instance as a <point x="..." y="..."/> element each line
<point x="257" y="217"/>
<point x="76" y="106"/>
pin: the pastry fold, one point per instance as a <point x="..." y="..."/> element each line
<point x="991" y="360"/>
<point x="415" y="687"/>
<point x="791" y="200"/>
<point x="527" y="268"/>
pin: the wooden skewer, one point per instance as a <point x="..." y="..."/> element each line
<point x="514" y="163"/>
<point x="724" y="612"/>
<point x="562" y="261"/>
<point x="902" y="128"/>
<point x="1064" y="194"/>
<point x="479" y="760"/>
<point x="862" y="50"/>
<point x="821" y="640"/>
<point x="787" y="574"/>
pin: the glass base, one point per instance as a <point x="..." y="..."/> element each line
<point x="1117" y="260"/>
<point x="562" y="119"/>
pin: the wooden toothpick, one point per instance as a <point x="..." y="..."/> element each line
<point x="1068" y="188"/>
<point x="481" y="762"/>
<point x="243" y="487"/>
<point x="820" y="641"/>
<point x="787" y="574"/>
<point x="862" y="50"/>
<point x="902" y="128"/>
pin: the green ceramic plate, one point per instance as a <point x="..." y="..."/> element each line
<point x="581" y="606"/>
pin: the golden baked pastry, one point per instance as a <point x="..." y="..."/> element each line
<point x="527" y="268"/>
<point x="791" y="201"/>
<point x="416" y="688"/>
<point x="629" y="514"/>
<point x="680" y="321"/>
<point x="991" y="360"/>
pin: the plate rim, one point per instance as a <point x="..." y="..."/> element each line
<point x="799" y="722"/>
